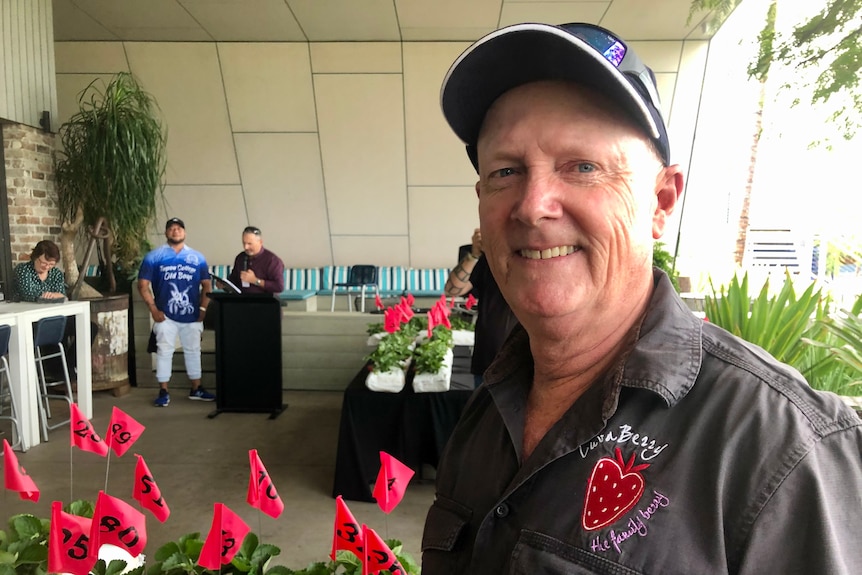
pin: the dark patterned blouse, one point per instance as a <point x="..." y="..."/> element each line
<point x="28" y="285"/>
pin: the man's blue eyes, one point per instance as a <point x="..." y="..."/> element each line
<point x="583" y="168"/>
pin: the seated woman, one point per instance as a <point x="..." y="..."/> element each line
<point x="40" y="279"/>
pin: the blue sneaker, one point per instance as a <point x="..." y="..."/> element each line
<point x="200" y="394"/>
<point x="164" y="399"/>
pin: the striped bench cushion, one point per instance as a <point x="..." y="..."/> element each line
<point x="391" y="280"/>
<point x="222" y="271"/>
<point x="302" y="279"/>
<point x="427" y="281"/>
<point x="333" y="275"/>
<point x="93" y="271"/>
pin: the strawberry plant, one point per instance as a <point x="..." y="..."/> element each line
<point x="391" y="352"/>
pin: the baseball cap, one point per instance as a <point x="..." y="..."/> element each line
<point x="531" y="52"/>
<point x="176" y="221"/>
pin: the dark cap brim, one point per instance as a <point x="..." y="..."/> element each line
<point x="525" y="53"/>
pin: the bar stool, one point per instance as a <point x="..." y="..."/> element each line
<point x="49" y="334"/>
<point x="7" y="400"/>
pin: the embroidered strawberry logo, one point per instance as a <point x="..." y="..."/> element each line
<point x="614" y="487"/>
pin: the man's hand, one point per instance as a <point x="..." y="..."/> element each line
<point x="248" y="276"/>
<point x="158" y="315"/>
<point x="477" y="243"/>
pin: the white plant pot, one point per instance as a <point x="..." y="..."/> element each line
<point x="375" y="338"/>
<point x="463" y="337"/>
<point x="391" y="381"/>
<point x="432" y="382"/>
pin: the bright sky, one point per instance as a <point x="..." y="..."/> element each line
<point x="814" y="190"/>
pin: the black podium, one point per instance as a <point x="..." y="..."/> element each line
<point x="248" y="353"/>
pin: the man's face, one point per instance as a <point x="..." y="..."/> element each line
<point x="568" y="202"/>
<point x="176" y="234"/>
<point x="251" y="244"/>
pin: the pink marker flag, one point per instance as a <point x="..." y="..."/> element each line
<point x="82" y="434"/>
<point x="378" y="556"/>
<point x="224" y="539"/>
<point x="115" y="522"/>
<point x="391" y="320"/>
<point x="471" y="301"/>
<point x="68" y="543"/>
<point x="15" y="478"/>
<point x="391" y="482"/>
<point x="261" y="492"/>
<point x="147" y="493"/>
<point x="347" y="535"/>
<point x="430" y="323"/>
<point x="123" y="431"/>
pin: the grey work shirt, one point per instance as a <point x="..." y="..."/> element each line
<point x="699" y="454"/>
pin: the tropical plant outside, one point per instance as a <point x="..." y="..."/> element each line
<point x="111" y="166"/>
<point x="800" y="330"/>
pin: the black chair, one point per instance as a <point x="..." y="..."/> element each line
<point x="359" y="277"/>
<point x="7" y="400"/>
<point x="48" y="343"/>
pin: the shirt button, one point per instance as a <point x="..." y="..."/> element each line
<point x="501" y="510"/>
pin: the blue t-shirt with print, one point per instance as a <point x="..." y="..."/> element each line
<point x="176" y="280"/>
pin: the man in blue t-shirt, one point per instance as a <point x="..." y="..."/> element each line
<point x="174" y="281"/>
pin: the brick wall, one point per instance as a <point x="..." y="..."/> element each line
<point x="33" y="211"/>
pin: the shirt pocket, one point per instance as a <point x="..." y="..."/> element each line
<point x="539" y="554"/>
<point x="444" y="526"/>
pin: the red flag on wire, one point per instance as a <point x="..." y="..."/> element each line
<point x="82" y="434"/>
<point x="15" y="478"/>
<point x="377" y="301"/>
<point x="117" y="523"/>
<point x="123" y="431"/>
<point x="224" y="539"/>
<point x="346" y="536"/>
<point x="147" y="493"/>
<point x="68" y="543"/>
<point x="261" y="492"/>
<point x="391" y="482"/>
<point x="378" y="556"/>
<point x="471" y="301"/>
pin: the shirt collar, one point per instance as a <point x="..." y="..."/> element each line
<point x="665" y="359"/>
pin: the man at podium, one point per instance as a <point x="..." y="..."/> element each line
<point x="257" y="270"/>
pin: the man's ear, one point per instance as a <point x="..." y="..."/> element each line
<point x="669" y="188"/>
<point x="477" y="189"/>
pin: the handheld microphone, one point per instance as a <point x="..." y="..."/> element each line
<point x="245" y="263"/>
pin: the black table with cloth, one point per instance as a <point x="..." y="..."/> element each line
<point x="412" y="427"/>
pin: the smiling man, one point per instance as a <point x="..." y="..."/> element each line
<point x="616" y="432"/>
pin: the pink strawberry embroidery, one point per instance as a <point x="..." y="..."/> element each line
<point x="614" y="487"/>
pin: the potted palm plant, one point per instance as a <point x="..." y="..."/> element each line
<point x="109" y="175"/>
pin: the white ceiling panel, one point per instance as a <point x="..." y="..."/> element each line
<point x="357" y="20"/>
<point x="246" y="20"/>
<point x="553" y="12"/>
<point x="347" y="20"/>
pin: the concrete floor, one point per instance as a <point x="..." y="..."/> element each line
<point x="198" y="461"/>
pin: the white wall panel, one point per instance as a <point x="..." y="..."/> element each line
<point x="27" y="76"/>
<point x="186" y="81"/>
<point x="435" y="155"/>
<point x="282" y="182"/>
<point x="441" y="220"/>
<point x="268" y="87"/>
<point x="356" y="58"/>
<point x="361" y="119"/>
